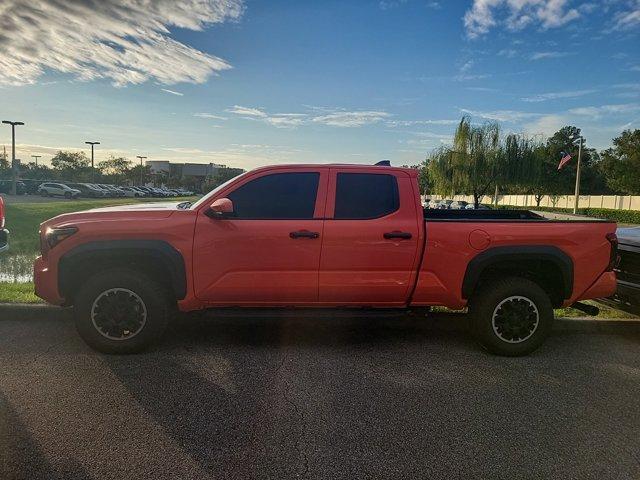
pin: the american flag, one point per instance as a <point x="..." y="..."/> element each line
<point x="563" y="161"/>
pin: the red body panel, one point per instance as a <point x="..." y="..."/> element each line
<point x="451" y="246"/>
<point x="359" y="266"/>
<point x="233" y="262"/>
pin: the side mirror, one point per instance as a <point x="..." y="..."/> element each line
<point x="221" y="208"/>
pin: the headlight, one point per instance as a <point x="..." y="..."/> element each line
<point x="54" y="236"/>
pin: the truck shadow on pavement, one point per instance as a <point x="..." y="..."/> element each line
<point x="286" y="396"/>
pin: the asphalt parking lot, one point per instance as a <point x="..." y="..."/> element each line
<point x="330" y="398"/>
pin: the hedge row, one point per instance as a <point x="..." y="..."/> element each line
<point x="620" y="216"/>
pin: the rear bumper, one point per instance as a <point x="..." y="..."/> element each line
<point x="626" y="298"/>
<point x="46" y="282"/>
<point x="4" y="239"/>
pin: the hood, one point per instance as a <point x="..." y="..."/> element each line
<point x="139" y="211"/>
<point x="139" y="207"/>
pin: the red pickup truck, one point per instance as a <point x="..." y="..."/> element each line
<point x="319" y="236"/>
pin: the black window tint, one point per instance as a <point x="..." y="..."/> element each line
<point x="277" y="196"/>
<point x="365" y="195"/>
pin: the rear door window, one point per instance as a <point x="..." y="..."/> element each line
<point x="363" y="196"/>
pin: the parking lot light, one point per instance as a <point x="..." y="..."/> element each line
<point x="14" y="166"/>
<point x="93" y="173"/>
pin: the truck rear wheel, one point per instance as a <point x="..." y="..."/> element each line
<point x="121" y="311"/>
<point x="511" y="317"/>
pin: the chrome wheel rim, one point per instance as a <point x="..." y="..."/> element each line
<point x="118" y="314"/>
<point x="515" y="319"/>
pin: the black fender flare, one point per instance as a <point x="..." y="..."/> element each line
<point x="159" y="251"/>
<point x="495" y="255"/>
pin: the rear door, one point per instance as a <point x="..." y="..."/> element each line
<point x="269" y="252"/>
<point x="371" y="238"/>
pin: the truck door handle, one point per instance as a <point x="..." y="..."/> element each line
<point x="304" y="234"/>
<point x="397" y="234"/>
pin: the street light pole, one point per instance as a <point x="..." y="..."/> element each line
<point x="141" y="169"/>
<point x="577" y="192"/>
<point x="36" y="157"/>
<point x="93" y="172"/>
<point x="14" y="166"/>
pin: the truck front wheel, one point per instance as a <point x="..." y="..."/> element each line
<point x="121" y="311"/>
<point x="511" y="317"/>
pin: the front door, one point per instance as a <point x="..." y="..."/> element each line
<point x="371" y="238"/>
<point x="268" y="253"/>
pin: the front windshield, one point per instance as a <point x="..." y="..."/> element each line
<point x="213" y="192"/>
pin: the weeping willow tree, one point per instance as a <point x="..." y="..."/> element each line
<point x="479" y="159"/>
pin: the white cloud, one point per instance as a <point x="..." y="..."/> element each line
<point x="210" y="116"/>
<point x="387" y="4"/>
<point x="351" y="119"/>
<point x="543" y="55"/>
<point x="508" y="52"/>
<point x="172" y="92"/>
<point x="516" y="14"/>
<point x="500" y="115"/>
<point x="543" y="97"/>
<point x="546" y="125"/>
<point x="597" y="112"/>
<point x="331" y="117"/>
<point x="410" y="123"/>
<point x="125" y="41"/>
<point x="628" y="18"/>
<point x="246" y="111"/>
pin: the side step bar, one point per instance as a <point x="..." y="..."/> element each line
<point x="588" y="309"/>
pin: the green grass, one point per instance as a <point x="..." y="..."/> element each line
<point x="18" y="293"/>
<point x="23" y="219"/>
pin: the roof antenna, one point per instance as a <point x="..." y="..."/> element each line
<point x="383" y="163"/>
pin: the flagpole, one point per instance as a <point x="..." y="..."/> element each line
<point x="577" y="195"/>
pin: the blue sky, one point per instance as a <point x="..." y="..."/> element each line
<point x="258" y="82"/>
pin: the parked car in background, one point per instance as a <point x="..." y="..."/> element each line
<point x="627" y="296"/>
<point x="4" y="233"/>
<point x="471" y="206"/>
<point x="32" y="185"/>
<point x="458" y="205"/>
<point x="6" y="186"/>
<point x="87" y="190"/>
<point x="58" y="190"/>
<point x="131" y="192"/>
<point x="443" y="204"/>
<point x="117" y="192"/>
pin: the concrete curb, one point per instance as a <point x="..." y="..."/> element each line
<point x="444" y="321"/>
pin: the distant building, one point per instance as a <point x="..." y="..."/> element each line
<point x="197" y="173"/>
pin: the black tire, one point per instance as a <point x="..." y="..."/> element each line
<point x="517" y="328"/>
<point x="157" y="308"/>
<point x="67" y="195"/>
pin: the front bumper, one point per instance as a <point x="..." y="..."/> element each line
<point x="46" y="282"/>
<point x="604" y="286"/>
<point x="4" y="239"/>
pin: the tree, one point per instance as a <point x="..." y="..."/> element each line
<point x="116" y="168"/>
<point x="591" y="180"/>
<point x="620" y="165"/>
<point x="35" y="172"/>
<point x="133" y="174"/>
<point x="475" y="162"/>
<point x="71" y="165"/>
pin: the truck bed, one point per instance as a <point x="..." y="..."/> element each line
<point x="432" y="214"/>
